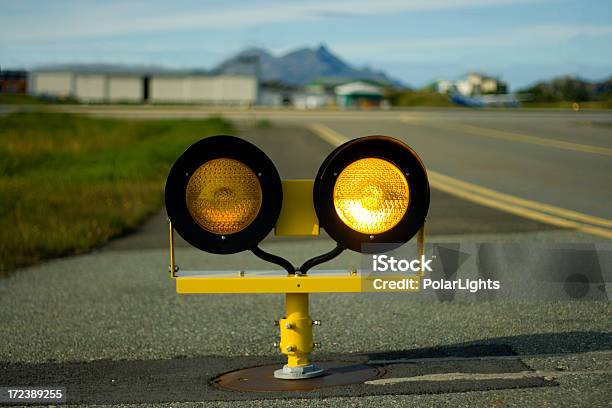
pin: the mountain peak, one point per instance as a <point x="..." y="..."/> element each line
<point x="302" y="65"/>
<point x="322" y="50"/>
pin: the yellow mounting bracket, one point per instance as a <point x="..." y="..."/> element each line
<point x="297" y="218"/>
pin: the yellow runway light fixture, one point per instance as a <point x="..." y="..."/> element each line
<point x="371" y="190"/>
<point x="223" y="195"/>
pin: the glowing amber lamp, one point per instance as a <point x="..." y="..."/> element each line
<point x="371" y="195"/>
<point x="223" y="196"/>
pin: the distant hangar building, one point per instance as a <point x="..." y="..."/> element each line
<point x="160" y="87"/>
<point x="359" y="94"/>
<point x="217" y="89"/>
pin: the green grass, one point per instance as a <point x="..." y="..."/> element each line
<point x="19" y="99"/>
<point x="69" y="183"/>
<point x="419" y="98"/>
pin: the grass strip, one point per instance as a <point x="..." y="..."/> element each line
<point x="70" y="183"/>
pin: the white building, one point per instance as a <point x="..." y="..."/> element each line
<point x="137" y="88"/>
<point x="221" y="89"/>
<point x="58" y="84"/>
<point x="358" y="94"/>
<point x="88" y="87"/>
<point x="472" y="84"/>
<point x="312" y="101"/>
<point x="127" y="88"/>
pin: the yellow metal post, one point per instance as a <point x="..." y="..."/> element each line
<point x="172" y="268"/>
<point x="296" y="339"/>
<point x="296" y="330"/>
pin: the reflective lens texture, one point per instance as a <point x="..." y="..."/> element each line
<point x="223" y="196"/>
<point x="371" y="195"/>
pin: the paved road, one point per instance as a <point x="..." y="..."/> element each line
<point x="109" y="325"/>
<point x="536" y="158"/>
<point x="550" y="158"/>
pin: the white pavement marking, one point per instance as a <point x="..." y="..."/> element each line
<point x="547" y="375"/>
<point x="545" y="213"/>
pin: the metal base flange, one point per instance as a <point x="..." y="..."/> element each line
<point x="298" y="373"/>
<point x="262" y="379"/>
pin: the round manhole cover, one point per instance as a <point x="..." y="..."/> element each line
<point x="262" y="379"/>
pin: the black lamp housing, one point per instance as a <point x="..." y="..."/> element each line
<point x="393" y="151"/>
<point x="230" y="147"/>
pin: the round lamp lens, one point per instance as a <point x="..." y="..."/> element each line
<point x="223" y="196"/>
<point x="371" y="195"/>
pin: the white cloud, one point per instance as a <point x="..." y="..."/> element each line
<point x="83" y="19"/>
<point x="526" y="36"/>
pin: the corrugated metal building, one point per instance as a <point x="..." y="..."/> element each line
<point x="88" y="87"/>
<point x="58" y="84"/>
<point x="127" y="88"/>
<point x="219" y="89"/>
<point x="154" y="88"/>
<point x="91" y="88"/>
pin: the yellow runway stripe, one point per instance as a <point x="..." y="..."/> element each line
<point x="441" y="183"/>
<point x="545" y="213"/>
<point x="551" y="209"/>
<point x="513" y="137"/>
<point x="329" y="135"/>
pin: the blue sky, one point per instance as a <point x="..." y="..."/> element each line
<point x="416" y="41"/>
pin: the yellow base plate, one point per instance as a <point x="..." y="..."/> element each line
<point x="266" y="282"/>
<point x="277" y="282"/>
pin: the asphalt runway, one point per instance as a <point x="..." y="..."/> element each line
<point x="109" y="326"/>
<point x="551" y="157"/>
